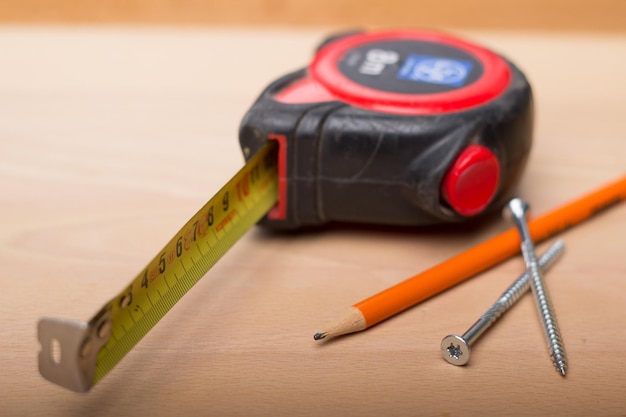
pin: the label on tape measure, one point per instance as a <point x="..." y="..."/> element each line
<point x="88" y="351"/>
<point x="410" y="66"/>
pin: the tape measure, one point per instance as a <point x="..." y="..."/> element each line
<point x="396" y="127"/>
<point x="402" y="127"/>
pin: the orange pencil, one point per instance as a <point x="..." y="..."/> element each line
<point x="424" y="285"/>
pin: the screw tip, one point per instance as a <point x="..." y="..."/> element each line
<point x="562" y="370"/>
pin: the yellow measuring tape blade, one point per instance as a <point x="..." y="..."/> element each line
<point x="199" y="244"/>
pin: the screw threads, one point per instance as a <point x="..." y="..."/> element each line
<point x="522" y="284"/>
<point x="518" y="208"/>
<point x="550" y="326"/>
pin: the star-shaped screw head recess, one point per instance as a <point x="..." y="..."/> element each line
<point x="455" y="349"/>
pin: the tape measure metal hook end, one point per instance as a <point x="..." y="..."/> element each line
<point x="69" y="349"/>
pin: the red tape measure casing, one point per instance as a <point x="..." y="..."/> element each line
<point x="394" y="127"/>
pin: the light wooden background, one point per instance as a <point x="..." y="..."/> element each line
<point x="112" y="136"/>
<point x="570" y="15"/>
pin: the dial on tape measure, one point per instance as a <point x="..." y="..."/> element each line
<point x="401" y="127"/>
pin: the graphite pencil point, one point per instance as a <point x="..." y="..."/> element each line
<point x="352" y="321"/>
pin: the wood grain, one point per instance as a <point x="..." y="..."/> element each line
<point x="111" y="138"/>
<point x="578" y="15"/>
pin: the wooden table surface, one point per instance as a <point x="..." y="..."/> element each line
<point x="111" y="138"/>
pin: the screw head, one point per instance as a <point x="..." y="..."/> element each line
<point x="516" y="209"/>
<point x="455" y="349"/>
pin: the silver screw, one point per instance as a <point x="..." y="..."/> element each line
<point x="519" y="208"/>
<point x="456" y="349"/>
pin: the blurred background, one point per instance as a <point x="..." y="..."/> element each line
<point x="549" y="15"/>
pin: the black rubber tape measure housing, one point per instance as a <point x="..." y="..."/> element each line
<point x="396" y="128"/>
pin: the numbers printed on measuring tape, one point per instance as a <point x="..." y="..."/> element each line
<point x="203" y="222"/>
<point x="198" y="230"/>
<point x="97" y="346"/>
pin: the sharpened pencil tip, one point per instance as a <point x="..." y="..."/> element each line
<point x="319" y="336"/>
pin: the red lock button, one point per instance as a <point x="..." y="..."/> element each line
<point x="472" y="180"/>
